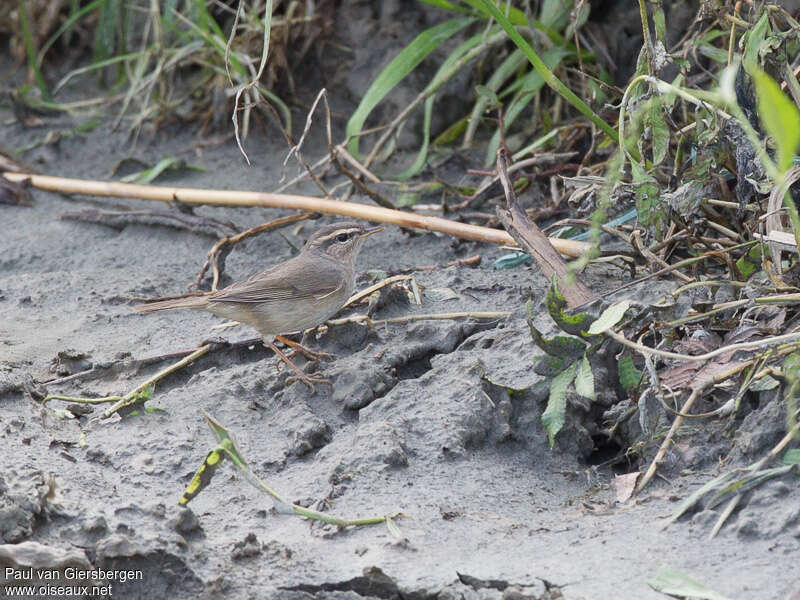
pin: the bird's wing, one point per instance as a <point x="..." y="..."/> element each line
<point x="289" y="280"/>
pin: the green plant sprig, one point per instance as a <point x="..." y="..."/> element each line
<point x="549" y="77"/>
<point x="228" y="448"/>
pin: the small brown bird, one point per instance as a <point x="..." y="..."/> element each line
<point x="294" y="295"/>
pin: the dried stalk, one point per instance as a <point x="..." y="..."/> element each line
<point x="377" y="214"/>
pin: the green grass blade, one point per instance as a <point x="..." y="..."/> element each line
<point x="172" y="163"/>
<point x="30" y="49"/>
<point x="549" y="78"/>
<point x="405" y="62"/>
<point x="99" y="65"/>
<point x="444" y="4"/>
<point x="779" y="115"/>
<point x="528" y="86"/>
<point x="105" y="33"/>
<point x="443" y="72"/>
<point x="501" y="74"/>
<point x="71" y="20"/>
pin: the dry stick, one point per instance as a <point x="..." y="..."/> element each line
<point x="536" y="243"/>
<point x="662" y="451"/>
<point x="493" y="178"/>
<point x="286" y="201"/>
<point x="119" y="219"/>
<point x="366" y="292"/>
<point x="469" y="261"/>
<point x="235" y="239"/>
<point x="771" y="341"/>
<point x="130" y="397"/>
<point x="130" y="364"/>
<point x="423" y="317"/>
<point x="648" y="255"/>
<point x="295" y="148"/>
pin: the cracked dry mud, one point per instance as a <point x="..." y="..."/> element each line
<point x="438" y="419"/>
<point x="420" y="419"/>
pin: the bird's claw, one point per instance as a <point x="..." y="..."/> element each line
<point x="310" y="380"/>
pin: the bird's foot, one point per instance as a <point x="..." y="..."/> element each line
<point x="310" y="379"/>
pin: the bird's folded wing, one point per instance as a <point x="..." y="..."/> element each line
<point x="286" y="282"/>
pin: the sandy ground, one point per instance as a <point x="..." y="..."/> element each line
<point x="419" y="420"/>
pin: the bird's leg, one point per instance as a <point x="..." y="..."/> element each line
<point x="309" y="380"/>
<point x="298" y="348"/>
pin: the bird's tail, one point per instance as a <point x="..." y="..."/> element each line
<point x="196" y="302"/>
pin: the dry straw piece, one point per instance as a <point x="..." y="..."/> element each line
<point x="288" y="201"/>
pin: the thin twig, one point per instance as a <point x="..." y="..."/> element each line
<point x="771" y="341"/>
<point x="131" y="397"/>
<point x="212" y="259"/>
<point x="119" y="219"/>
<point x="423" y="317"/>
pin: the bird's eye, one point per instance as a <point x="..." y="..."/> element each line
<point x="342" y="237"/>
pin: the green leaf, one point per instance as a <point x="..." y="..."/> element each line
<point x="584" y="380"/>
<point x="550" y="366"/>
<point x="394" y="530"/>
<point x="764" y="384"/>
<point x="405" y="62"/>
<point x="659" y="131"/>
<point x="750" y="262"/>
<point x="202" y="476"/>
<point x="559" y="346"/>
<point x="670" y="580"/>
<point x="648" y="206"/>
<point x="452" y="133"/>
<point x="556" y="303"/>
<point x="555" y="13"/>
<point x="171" y="163"/>
<point x="555" y="414"/>
<point x="630" y="378"/>
<point x="138" y="401"/>
<point x="227" y="442"/>
<point x="610" y="317"/>
<point x="488" y="96"/>
<point x="444" y="4"/>
<point x="510" y="261"/>
<point x="780" y="117"/>
<point x="792" y="457"/>
<point x="752" y="40"/>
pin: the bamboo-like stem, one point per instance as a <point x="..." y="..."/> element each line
<point x="377" y="214"/>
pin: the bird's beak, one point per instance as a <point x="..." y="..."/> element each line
<point x="369" y="232"/>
